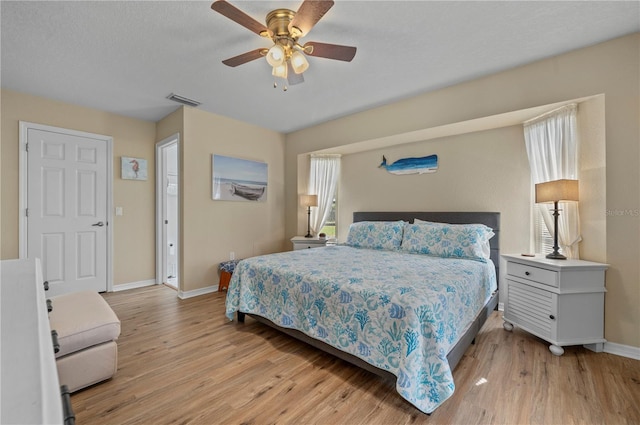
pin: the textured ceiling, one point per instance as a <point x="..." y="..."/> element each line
<point x="125" y="57"/>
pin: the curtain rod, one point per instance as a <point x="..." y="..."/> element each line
<point x="549" y="113"/>
<point x="326" y="155"/>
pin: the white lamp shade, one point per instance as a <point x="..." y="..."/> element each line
<point x="280" y="71"/>
<point x="556" y="191"/>
<point x="299" y="62"/>
<point x="275" y="55"/>
<point x="309" y="200"/>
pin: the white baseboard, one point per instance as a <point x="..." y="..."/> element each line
<point x="622" y="350"/>
<point x="134" y="285"/>
<point x="196" y="292"/>
<point x="181" y="294"/>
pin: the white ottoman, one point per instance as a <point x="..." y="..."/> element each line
<point x="87" y="332"/>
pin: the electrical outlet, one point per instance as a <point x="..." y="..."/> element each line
<point x="232" y="255"/>
<point x="118" y="210"/>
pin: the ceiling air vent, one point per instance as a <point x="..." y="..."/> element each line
<point x="183" y="100"/>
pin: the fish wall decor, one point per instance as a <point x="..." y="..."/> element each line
<point x="425" y="164"/>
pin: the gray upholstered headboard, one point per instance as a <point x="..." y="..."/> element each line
<point x="491" y="219"/>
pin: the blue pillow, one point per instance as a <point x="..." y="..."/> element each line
<point x="376" y="234"/>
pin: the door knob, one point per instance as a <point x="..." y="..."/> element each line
<point x="99" y="224"/>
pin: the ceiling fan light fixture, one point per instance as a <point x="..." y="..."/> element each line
<point x="299" y="62"/>
<point x="284" y="27"/>
<point x="276" y="55"/>
<point x="280" y="71"/>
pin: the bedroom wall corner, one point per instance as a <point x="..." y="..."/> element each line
<point x="133" y="233"/>
<point x="593" y="179"/>
<point x="212" y="229"/>
<point x="304" y="166"/>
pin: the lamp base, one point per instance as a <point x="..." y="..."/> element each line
<point x="556" y="256"/>
<point x="308" y="235"/>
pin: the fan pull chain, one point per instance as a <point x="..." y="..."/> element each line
<point x="284" y="87"/>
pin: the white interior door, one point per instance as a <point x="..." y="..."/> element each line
<point x="170" y="154"/>
<point x="167" y="212"/>
<point x="68" y="208"/>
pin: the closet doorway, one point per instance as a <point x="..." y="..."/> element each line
<point x="167" y="212"/>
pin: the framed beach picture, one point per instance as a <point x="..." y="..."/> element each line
<point x="133" y="168"/>
<point x="236" y="179"/>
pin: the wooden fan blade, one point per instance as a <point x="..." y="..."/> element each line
<point x="330" y="51"/>
<point x="237" y="15"/>
<point x="309" y="13"/>
<point x="245" y="57"/>
<point x="292" y="77"/>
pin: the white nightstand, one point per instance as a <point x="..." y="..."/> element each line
<point x="300" y="242"/>
<point x="560" y="301"/>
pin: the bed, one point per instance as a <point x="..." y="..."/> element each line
<point x="404" y="297"/>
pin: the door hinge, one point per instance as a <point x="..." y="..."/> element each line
<point x="26" y="147"/>
<point x="26" y="212"/>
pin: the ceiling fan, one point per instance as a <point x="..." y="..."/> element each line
<point x="284" y="28"/>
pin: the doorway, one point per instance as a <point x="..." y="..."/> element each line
<point x="167" y="212"/>
<point x="65" y="206"/>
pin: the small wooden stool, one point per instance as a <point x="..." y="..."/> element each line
<point x="226" y="270"/>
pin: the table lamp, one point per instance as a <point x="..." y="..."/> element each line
<point x="309" y="201"/>
<point x="556" y="191"/>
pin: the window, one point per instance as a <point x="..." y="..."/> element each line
<point x="543" y="239"/>
<point x="552" y="148"/>
<point x="330" y="228"/>
<point x="324" y="174"/>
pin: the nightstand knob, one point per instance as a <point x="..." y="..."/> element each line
<point x="552" y="317"/>
<point x="527" y="273"/>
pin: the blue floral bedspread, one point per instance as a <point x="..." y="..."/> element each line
<point x="400" y="312"/>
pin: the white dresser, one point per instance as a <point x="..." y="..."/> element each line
<point x="30" y="390"/>
<point x="560" y="301"/>
<point x="300" y="242"/>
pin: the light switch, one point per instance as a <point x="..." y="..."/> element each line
<point x="118" y="210"/>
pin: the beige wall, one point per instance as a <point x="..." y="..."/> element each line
<point x="610" y="69"/>
<point x="485" y="171"/>
<point x="133" y="232"/>
<point x="593" y="179"/>
<point x="211" y="229"/>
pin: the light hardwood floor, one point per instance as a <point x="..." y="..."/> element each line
<point x="183" y="362"/>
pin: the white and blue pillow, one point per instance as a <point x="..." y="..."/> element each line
<point x="385" y="235"/>
<point x="469" y="241"/>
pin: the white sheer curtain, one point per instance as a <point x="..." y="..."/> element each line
<point x="323" y="180"/>
<point x="552" y="147"/>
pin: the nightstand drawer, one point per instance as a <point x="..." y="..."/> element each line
<point x="305" y="246"/>
<point x="536" y="274"/>
<point x="301" y="242"/>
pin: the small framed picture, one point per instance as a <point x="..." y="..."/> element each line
<point x="133" y="168"/>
